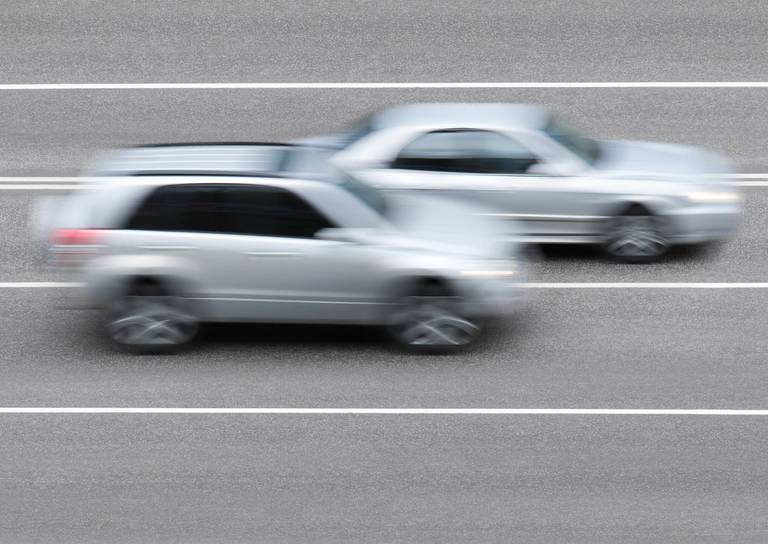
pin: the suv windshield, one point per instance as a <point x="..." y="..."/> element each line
<point x="586" y="149"/>
<point x="368" y="194"/>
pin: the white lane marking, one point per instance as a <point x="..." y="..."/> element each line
<point x="646" y="285"/>
<point x="531" y="285"/>
<point x="38" y="284"/>
<point x="394" y="85"/>
<point x="72" y="187"/>
<point x="64" y="183"/>
<point x="390" y="411"/>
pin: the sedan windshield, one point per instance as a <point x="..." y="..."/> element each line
<point x="586" y="149"/>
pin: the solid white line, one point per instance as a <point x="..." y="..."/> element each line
<point x="646" y="285"/>
<point x="750" y="183"/>
<point x="389" y="411"/>
<point x="71" y="187"/>
<point x="48" y="179"/>
<point x="64" y="184"/>
<point x="393" y="85"/>
<point x="37" y="284"/>
<point x="531" y="285"/>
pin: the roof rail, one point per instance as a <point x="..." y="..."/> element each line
<point x="207" y="173"/>
<point x="207" y="144"/>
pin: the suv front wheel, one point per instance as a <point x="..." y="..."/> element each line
<point x="428" y="319"/>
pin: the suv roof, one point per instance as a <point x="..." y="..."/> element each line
<point x="220" y="158"/>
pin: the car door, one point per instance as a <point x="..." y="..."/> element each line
<point x="181" y="231"/>
<point x="285" y="272"/>
<point x="491" y="169"/>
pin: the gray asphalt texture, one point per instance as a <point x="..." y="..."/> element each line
<point x="171" y="478"/>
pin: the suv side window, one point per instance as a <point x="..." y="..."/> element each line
<point x="228" y="209"/>
<point x="464" y="150"/>
<point x="271" y="211"/>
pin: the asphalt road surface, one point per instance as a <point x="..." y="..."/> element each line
<point x="389" y="478"/>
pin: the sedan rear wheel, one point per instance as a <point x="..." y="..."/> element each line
<point x="636" y="237"/>
<point x="149" y="320"/>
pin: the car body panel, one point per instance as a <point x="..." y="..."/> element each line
<point x="564" y="198"/>
<point x="236" y="277"/>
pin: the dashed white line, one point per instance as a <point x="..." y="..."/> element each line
<point x="531" y="285"/>
<point x="38" y="284"/>
<point x="390" y="411"/>
<point x="68" y="183"/>
<point x="392" y="85"/>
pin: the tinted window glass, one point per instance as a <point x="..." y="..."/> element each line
<point x="269" y="211"/>
<point x="231" y="209"/>
<point x="471" y="151"/>
<point x="587" y="149"/>
<point x="366" y="193"/>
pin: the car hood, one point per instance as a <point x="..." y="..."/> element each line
<point x="650" y="159"/>
<point x="444" y="225"/>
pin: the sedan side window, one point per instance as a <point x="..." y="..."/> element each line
<point x="436" y="151"/>
<point x="470" y="151"/>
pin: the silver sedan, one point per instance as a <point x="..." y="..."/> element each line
<point x="635" y="198"/>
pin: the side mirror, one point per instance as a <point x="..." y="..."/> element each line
<point x="542" y="168"/>
<point x="549" y="169"/>
<point x="339" y="235"/>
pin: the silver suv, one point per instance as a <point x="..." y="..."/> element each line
<point x="161" y="254"/>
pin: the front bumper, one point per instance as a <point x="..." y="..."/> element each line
<point x="496" y="297"/>
<point x="699" y="224"/>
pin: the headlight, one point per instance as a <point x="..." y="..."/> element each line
<point x="714" y="197"/>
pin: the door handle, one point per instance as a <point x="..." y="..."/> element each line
<point x="167" y="248"/>
<point x="268" y="254"/>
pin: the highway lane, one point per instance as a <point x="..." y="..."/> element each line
<point x="567" y="349"/>
<point x="383" y="479"/>
<point x="348" y="478"/>
<point x="180" y="40"/>
<point x="56" y="132"/>
<point x="742" y="259"/>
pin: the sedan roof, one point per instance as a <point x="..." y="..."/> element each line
<point x="462" y="114"/>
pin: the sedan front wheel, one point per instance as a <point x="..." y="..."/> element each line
<point x="636" y="237"/>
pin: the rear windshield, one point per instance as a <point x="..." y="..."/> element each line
<point x="357" y="131"/>
<point x="585" y="148"/>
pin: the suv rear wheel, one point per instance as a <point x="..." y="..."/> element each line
<point x="149" y="319"/>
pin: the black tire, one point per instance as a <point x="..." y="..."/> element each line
<point x="148" y="319"/>
<point x="636" y="236"/>
<point x="428" y="318"/>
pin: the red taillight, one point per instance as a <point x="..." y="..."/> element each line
<point x="78" y="237"/>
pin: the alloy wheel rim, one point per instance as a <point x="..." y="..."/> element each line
<point x="637" y="236"/>
<point x="434" y="321"/>
<point x="151" y="320"/>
